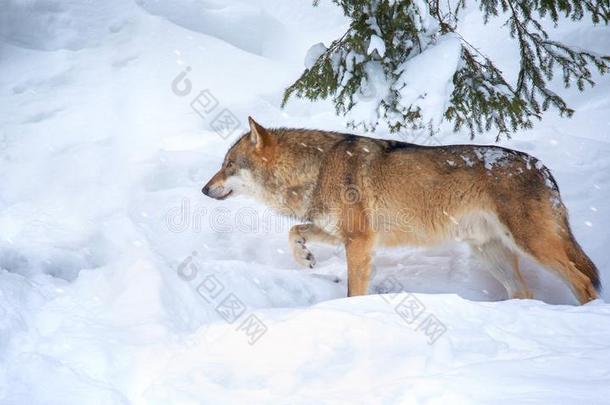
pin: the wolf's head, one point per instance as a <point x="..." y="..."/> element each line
<point x="245" y="165"/>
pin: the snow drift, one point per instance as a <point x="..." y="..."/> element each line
<point x="116" y="273"/>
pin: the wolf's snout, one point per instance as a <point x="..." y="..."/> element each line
<point x="215" y="191"/>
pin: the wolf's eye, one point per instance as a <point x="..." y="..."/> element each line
<point x="229" y="164"/>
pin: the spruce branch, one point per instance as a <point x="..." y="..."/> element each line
<point x="482" y="98"/>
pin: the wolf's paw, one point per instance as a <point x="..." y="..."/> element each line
<point x="301" y="254"/>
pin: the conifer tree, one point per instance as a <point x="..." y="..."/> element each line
<point x="384" y="35"/>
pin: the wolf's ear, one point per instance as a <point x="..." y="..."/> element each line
<point x="258" y="134"/>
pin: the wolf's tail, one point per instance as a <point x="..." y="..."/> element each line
<point x="582" y="262"/>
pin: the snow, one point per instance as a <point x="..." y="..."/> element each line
<point x="467" y="160"/>
<point x="491" y="156"/>
<point x="113" y="265"/>
<point x="313" y="54"/>
<point x="426" y="88"/>
<point x="376" y="44"/>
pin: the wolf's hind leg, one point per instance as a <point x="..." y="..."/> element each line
<point x="300" y="234"/>
<point x="503" y="264"/>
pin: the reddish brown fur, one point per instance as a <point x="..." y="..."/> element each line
<point x="365" y="192"/>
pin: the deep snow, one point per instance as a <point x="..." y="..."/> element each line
<point x="106" y="238"/>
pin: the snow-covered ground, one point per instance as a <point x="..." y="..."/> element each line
<point x="116" y="273"/>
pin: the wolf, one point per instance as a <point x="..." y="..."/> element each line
<point x="364" y="192"/>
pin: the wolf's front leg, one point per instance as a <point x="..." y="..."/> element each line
<point x="300" y="234"/>
<point x="358" y="250"/>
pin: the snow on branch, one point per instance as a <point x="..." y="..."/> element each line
<point x="370" y="76"/>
